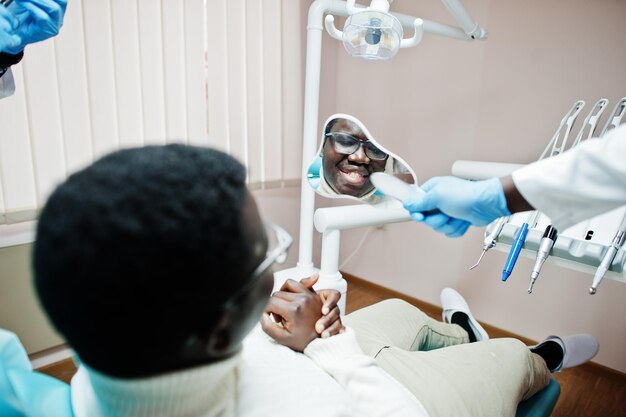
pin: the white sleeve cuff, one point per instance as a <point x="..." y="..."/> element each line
<point x="334" y="349"/>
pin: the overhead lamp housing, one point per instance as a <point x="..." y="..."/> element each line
<point x="372" y="34"/>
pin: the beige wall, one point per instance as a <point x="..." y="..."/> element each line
<point x="19" y="310"/>
<point x="498" y="100"/>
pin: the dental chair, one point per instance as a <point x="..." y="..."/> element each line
<point x="24" y="392"/>
<point x="28" y="393"/>
<point x="542" y="403"/>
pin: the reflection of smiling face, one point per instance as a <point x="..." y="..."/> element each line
<point x="349" y="174"/>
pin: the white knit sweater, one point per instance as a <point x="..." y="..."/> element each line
<point x="332" y="379"/>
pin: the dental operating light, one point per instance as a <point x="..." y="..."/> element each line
<point x="372" y="35"/>
<point x="375" y="34"/>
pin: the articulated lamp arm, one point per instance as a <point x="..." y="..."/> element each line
<point x="467" y="23"/>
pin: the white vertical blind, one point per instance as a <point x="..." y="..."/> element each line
<point x="122" y="73"/>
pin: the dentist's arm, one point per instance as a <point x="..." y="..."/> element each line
<point x="515" y="201"/>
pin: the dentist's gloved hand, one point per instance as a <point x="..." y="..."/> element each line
<point x="8" y="23"/>
<point x="461" y="203"/>
<point x="38" y="20"/>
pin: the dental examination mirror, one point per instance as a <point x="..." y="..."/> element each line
<point x="348" y="156"/>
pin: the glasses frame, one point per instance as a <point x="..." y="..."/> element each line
<point x="277" y="255"/>
<point x="358" y="141"/>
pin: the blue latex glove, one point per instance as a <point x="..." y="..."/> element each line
<point x="461" y="203"/>
<point x="38" y="20"/>
<point x="8" y="24"/>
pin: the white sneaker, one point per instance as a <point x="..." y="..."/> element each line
<point x="451" y="302"/>
<point x="577" y="349"/>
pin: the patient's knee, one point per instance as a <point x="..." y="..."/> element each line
<point x="396" y="304"/>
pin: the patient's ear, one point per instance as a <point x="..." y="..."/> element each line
<point x="215" y="343"/>
<point x="220" y="339"/>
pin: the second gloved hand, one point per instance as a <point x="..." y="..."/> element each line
<point x="8" y="23"/>
<point x="461" y="203"/>
<point x="38" y="20"/>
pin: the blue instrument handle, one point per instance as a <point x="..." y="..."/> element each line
<point x="514" y="252"/>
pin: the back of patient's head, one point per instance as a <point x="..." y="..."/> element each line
<point x="138" y="251"/>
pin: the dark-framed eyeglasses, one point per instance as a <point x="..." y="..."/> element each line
<point x="278" y="243"/>
<point x="347" y="144"/>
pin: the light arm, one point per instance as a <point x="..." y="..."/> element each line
<point x="469" y="25"/>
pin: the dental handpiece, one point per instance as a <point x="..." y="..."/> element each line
<point x="491" y="238"/>
<point x="608" y="259"/>
<point x="545" y="246"/>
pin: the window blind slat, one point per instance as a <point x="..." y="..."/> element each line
<point x="127" y="72"/>
<point x="217" y="74"/>
<point x="272" y="94"/>
<point x="236" y="59"/>
<point x="151" y="63"/>
<point x="254" y="80"/>
<point x="292" y="82"/>
<point x="195" y="73"/>
<point x="100" y="75"/>
<point x="174" y="71"/>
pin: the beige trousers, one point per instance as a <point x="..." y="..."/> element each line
<point x="450" y="377"/>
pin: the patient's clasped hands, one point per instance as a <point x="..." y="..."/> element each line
<point x="297" y="314"/>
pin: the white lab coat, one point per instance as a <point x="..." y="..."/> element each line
<point x="579" y="184"/>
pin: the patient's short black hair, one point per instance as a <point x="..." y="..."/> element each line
<point x="137" y="251"/>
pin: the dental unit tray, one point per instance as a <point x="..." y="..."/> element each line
<point x="583" y="246"/>
<point x="571" y="250"/>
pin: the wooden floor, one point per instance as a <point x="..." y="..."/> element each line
<point x="589" y="390"/>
